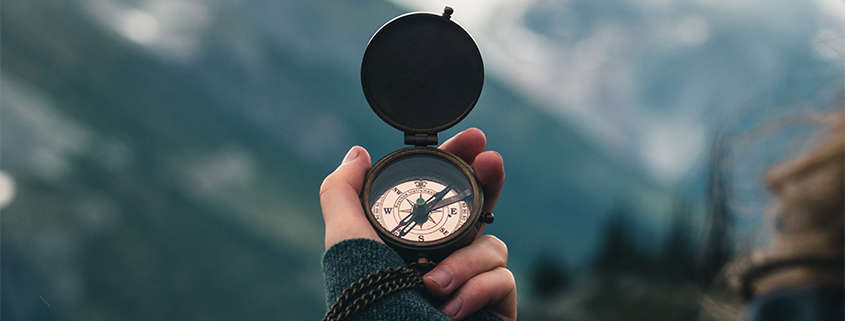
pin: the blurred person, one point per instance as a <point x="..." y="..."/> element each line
<point x="799" y="274"/>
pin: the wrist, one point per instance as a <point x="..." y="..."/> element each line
<point x="349" y="260"/>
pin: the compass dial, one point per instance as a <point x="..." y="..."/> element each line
<point x="422" y="210"/>
<point x="423" y="202"/>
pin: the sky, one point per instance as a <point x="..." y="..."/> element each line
<point x="588" y="71"/>
<point x="594" y="71"/>
<point x="597" y="73"/>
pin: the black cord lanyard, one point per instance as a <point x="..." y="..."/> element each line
<point x="759" y="271"/>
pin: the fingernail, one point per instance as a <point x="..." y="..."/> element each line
<point x="451" y="309"/>
<point x="440" y="277"/>
<point x="351" y="155"/>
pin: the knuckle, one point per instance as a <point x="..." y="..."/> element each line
<point x="508" y="275"/>
<point x="499" y="247"/>
<point x="499" y="280"/>
<point x="327" y="184"/>
<point x="474" y="291"/>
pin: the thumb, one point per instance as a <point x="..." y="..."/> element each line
<point x="342" y="212"/>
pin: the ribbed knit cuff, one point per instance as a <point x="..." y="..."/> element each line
<point x="350" y="260"/>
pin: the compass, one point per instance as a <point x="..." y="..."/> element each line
<point x="422" y="73"/>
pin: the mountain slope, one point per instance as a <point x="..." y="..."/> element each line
<point x="158" y="187"/>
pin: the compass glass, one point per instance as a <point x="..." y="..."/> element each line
<point x="421" y="208"/>
<point x="402" y="211"/>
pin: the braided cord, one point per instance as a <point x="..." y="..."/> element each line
<point x="371" y="288"/>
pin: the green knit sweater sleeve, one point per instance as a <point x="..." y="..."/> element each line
<point x="348" y="261"/>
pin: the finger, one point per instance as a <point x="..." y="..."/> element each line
<point x="490" y="170"/>
<point x="342" y="212"/>
<point x="496" y="289"/>
<point x="466" y="144"/>
<point x="484" y="254"/>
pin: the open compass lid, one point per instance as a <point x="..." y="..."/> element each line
<point x="422" y="73"/>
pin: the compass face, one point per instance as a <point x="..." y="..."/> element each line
<point x="422" y="210"/>
<point x="422" y="197"/>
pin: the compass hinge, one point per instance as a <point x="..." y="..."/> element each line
<point x="420" y="139"/>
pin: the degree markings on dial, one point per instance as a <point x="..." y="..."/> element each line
<point x="398" y="202"/>
<point x="452" y="199"/>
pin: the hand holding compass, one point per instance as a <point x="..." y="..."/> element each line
<point x="342" y="213"/>
<point x="484" y="282"/>
<point x="421" y="74"/>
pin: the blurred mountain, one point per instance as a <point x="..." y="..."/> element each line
<point x="651" y="81"/>
<point x="167" y="157"/>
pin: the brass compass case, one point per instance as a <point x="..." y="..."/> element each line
<point x="411" y="249"/>
<point x="422" y="73"/>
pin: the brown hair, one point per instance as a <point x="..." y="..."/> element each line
<point x="808" y="211"/>
<point x="806" y="222"/>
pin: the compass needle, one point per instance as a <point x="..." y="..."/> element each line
<point x="451" y="200"/>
